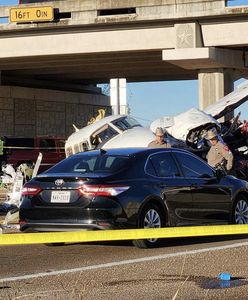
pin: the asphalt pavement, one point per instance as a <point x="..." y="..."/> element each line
<point x="185" y="268"/>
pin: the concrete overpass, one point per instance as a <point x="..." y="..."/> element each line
<point x="91" y="41"/>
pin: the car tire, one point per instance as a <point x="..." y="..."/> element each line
<point x="151" y="217"/>
<point x="240" y="210"/>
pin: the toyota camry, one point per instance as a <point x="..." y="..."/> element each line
<point x="132" y="188"/>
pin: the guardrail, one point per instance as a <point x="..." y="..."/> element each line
<point x="118" y="235"/>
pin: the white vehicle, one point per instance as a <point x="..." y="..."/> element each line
<point x="116" y="131"/>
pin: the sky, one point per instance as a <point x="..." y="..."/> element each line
<point x="149" y="101"/>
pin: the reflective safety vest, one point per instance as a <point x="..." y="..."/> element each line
<point x="1" y="147"/>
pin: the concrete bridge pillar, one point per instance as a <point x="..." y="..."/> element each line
<point x="214" y="84"/>
<point x="118" y="96"/>
<point x="216" y="67"/>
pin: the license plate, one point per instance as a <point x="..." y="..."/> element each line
<point x="32" y="14"/>
<point x="60" y="197"/>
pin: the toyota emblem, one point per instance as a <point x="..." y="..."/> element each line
<point x="59" y="182"/>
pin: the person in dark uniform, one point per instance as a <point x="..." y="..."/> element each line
<point x="159" y="142"/>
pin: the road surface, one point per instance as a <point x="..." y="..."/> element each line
<point x="181" y="269"/>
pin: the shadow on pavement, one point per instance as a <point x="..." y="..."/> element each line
<point x="175" y="242"/>
<point x="203" y="282"/>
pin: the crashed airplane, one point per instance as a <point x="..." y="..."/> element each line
<point x="192" y="125"/>
<point x="116" y="131"/>
<point x="185" y="130"/>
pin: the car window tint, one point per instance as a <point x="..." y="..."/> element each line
<point x="149" y="168"/>
<point x="90" y="163"/>
<point x="164" y="165"/>
<point x="109" y="161"/>
<point x="194" y="167"/>
<point x="82" y="167"/>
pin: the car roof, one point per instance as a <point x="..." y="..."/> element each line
<point x="132" y="151"/>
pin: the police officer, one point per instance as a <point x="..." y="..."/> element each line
<point x="159" y="142"/>
<point x="219" y="153"/>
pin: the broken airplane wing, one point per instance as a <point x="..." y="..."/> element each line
<point x="229" y="102"/>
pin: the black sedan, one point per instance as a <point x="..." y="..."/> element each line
<point x="132" y="188"/>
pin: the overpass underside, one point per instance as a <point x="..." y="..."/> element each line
<point x="90" y="42"/>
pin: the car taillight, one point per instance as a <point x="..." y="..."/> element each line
<point x="30" y="190"/>
<point x="102" y="190"/>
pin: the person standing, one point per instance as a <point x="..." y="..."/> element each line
<point x="219" y="153"/>
<point x="159" y="142"/>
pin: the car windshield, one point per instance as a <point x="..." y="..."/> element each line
<point x="126" y="123"/>
<point x="90" y="163"/>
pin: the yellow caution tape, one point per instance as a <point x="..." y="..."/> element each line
<point x="116" y="235"/>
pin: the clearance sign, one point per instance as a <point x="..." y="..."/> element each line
<point x="32" y="14"/>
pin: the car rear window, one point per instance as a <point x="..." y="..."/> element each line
<point x="91" y="163"/>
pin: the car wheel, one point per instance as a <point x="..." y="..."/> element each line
<point x="240" y="211"/>
<point x="150" y="217"/>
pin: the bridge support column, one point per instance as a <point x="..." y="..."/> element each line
<point x="118" y="96"/>
<point x="213" y="85"/>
